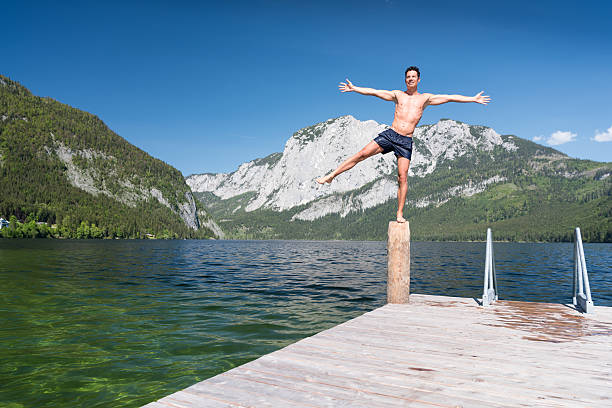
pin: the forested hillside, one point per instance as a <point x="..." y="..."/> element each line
<point x="65" y="168"/>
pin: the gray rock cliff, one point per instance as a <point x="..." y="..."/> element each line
<point x="286" y="180"/>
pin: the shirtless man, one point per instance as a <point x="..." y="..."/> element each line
<point x="409" y="106"/>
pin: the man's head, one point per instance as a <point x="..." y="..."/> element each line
<point x="412" y="76"/>
<point x="413" y="68"/>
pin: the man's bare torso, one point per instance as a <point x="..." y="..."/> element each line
<point x="408" y="111"/>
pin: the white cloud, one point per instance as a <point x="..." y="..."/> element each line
<point x="559" y="138"/>
<point x="538" y="138"/>
<point x="603" y="136"/>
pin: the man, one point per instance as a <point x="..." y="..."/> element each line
<point x="409" y="106"/>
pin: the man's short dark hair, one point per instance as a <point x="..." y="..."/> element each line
<point x="413" y="68"/>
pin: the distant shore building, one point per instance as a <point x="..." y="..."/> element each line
<point x="4" y="223"/>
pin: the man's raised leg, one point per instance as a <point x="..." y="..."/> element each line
<point x="370" y="149"/>
<point x="402" y="180"/>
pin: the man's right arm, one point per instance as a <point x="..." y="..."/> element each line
<point x="382" y="94"/>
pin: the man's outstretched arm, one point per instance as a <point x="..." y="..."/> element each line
<point x="382" y="94"/>
<point x="440" y="99"/>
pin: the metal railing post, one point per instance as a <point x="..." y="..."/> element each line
<point x="575" y="280"/>
<point x="582" y="291"/>
<point x="489" y="292"/>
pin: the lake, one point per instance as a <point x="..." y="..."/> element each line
<point x="123" y="323"/>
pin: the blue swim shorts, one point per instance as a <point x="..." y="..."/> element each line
<point x="391" y="141"/>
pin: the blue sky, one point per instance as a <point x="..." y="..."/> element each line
<point x="206" y="86"/>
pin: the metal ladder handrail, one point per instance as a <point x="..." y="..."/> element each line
<point x="489" y="292"/>
<point x="582" y="289"/>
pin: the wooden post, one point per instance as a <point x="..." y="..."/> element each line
<point x="398" y="263"/>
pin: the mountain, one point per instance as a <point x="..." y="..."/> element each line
<point x="462" y="179"/>
<point x="60" y="165"/>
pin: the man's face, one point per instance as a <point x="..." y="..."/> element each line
<point x="412" y="79"/>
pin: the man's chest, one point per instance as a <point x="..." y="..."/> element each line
<point x="411" y="102"/>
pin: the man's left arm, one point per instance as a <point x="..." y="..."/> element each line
<point x="440" y="99"/>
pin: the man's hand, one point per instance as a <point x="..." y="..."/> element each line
<point x="346" y="87"/>
<point x="482" y="99"/>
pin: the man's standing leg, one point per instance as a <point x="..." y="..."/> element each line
<point x="402" y="180"/>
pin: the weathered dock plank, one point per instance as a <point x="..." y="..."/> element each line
<point x="432" y="352"/>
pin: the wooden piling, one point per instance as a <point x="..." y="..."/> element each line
<point x="398" y="262"/>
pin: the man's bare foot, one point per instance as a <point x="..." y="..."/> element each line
<point x="400" y="218"/>
<point x="326" y="179"/>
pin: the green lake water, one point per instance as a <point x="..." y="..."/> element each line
<point x="123" y="323"/>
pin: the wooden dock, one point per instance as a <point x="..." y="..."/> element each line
<point x="432" y="352"/>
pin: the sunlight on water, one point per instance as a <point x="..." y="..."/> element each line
<point x="122" y="323"/>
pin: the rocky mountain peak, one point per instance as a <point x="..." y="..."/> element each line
<point x="285" y="180"/>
